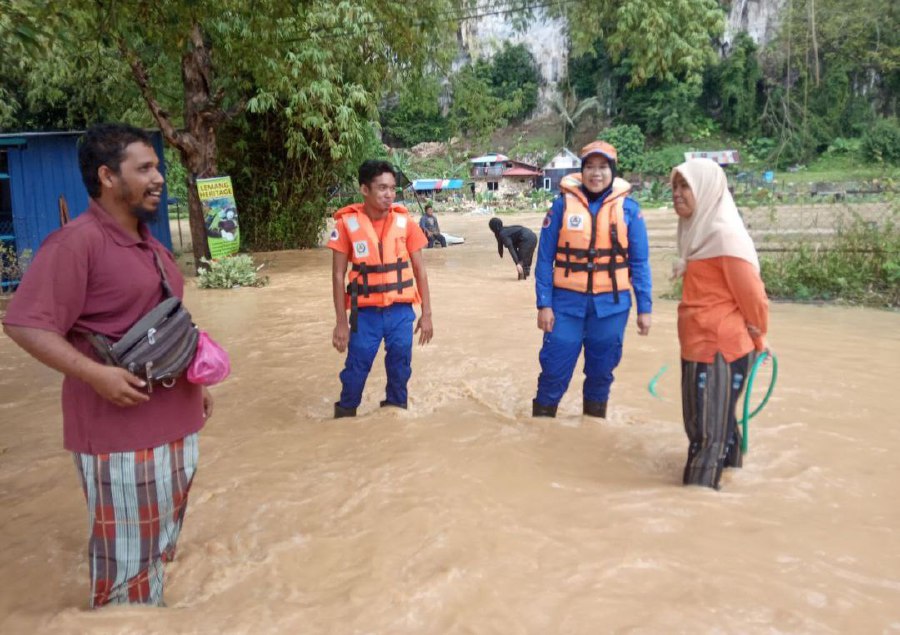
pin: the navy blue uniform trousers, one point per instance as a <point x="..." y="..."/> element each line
<point x="394" y="325"/>
<point x="601" y="338"/>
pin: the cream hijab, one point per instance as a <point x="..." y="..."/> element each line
<point x="715" y="228"/>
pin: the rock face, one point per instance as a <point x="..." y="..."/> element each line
<point x="544" y="36"/>
<point x="759" y="18"/>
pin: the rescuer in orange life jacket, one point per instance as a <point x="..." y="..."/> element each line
<point x="592" y="254"/>
<point x="387" y="276"/>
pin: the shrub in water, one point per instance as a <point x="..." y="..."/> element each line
<point x="229" y="272"/>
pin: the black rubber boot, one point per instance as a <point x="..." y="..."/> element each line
<point x="340" y="412"/>
<point x="537" y="410"/>
<point x="595" y="408"/>
<point x="391" y="404"/>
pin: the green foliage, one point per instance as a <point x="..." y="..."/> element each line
<point x="841" y="146"/>
<point x="176" y="177"/>
<point x="540" y="197"/>
<point x="760" y="149"/>
<point x="733" y="88"/>
<point x="230" y="272"/>
<point x="881" y="143"/>
<point x="417" y="115"/>
<point x="514" y="78"/>
<point x="485" y="96"/>
<point x="660" y="162"/>
<point x="654" y="40"/>
<point x="475" y="110"/>
<point x="571" y="112"/>
<point x="667" y="110"/>
<point x="284" y="198"/>
<point x="862" y="267"/>
<point x="12" y="264"/>
<point x="628" y="140"/>
<point x="831" y="68"/>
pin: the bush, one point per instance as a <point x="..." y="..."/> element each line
<point x="839" y="145"/>
<point x="760" y="149"/>
<point x="514" y="78"/>
<point x="12" y="265"/>
<point x="628" y="140"/>
<point x="862" y="267"/>
<point x="230" y="272"/>
<point x="881" y="142"/>
<point x="660" y="162"/>
<point x="417" y="115"/>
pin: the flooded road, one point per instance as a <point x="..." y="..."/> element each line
<point x="464" y="514"/>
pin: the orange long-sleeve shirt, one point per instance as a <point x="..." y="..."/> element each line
<point x="720" y="298"/>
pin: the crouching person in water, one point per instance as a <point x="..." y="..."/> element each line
<point x="722" y="317"/>
<point x="519" y="241"/>
<point x="593" y="252"/>
<point x="387" y="276"/>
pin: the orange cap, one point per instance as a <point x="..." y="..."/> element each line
<point x="599" y="147"/>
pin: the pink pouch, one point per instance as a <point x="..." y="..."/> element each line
<point x="210" y="365"/>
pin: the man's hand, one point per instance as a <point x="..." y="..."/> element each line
<point x="425" y="330"/>
<point x="545" y="319"/>
<point x="118" y="386"/>
<point x="643" y="323"/>
<point x="207" y="403"/>
<point x="341" y="335"/>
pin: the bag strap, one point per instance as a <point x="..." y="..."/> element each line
<point x="167" y="289"/>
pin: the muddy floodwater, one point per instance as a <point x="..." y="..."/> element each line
<point x="464" y="514"/>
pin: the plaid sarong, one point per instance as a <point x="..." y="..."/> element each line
<point x="136" y="502"/>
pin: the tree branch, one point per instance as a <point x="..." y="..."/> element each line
<point x="141" y="78"/>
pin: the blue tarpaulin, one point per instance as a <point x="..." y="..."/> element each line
<point x="423" y="185"/>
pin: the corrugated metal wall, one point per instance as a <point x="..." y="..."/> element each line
<point x="47" y="167"/>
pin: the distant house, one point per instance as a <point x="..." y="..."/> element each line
<point x="566" y="162"/>
<point x="499" y="174"/>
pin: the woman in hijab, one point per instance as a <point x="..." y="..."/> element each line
<point x="520" y="241"/>
<point x="722" y="317"/>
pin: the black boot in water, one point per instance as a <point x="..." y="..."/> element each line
<point x="595" y="408"/>
<point x="340" y="412"/>
<point x="391" y="404"/>
<point x="537" y="410"/>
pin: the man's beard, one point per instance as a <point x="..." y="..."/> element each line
<point x="143" y="215"/>
<point x="139" y="212"/>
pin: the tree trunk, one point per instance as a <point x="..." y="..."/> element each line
<point x="815" y="42"/>
<point x="196" y="143"/>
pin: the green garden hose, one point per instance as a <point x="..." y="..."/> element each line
<point x="747" y="415"/>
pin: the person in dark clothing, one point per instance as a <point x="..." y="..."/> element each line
<point x="429" y="225"/>
<point x="520" y="241"/>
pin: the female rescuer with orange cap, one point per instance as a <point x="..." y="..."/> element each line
<point x="592" y="254"/>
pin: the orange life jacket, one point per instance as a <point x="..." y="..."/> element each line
<point x="381" y="271"/>
<point x="592" y="251"/>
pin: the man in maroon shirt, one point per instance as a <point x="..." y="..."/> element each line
<point x="136" y="450"/>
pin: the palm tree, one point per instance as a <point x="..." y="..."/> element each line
<point x="571" y="111"/>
